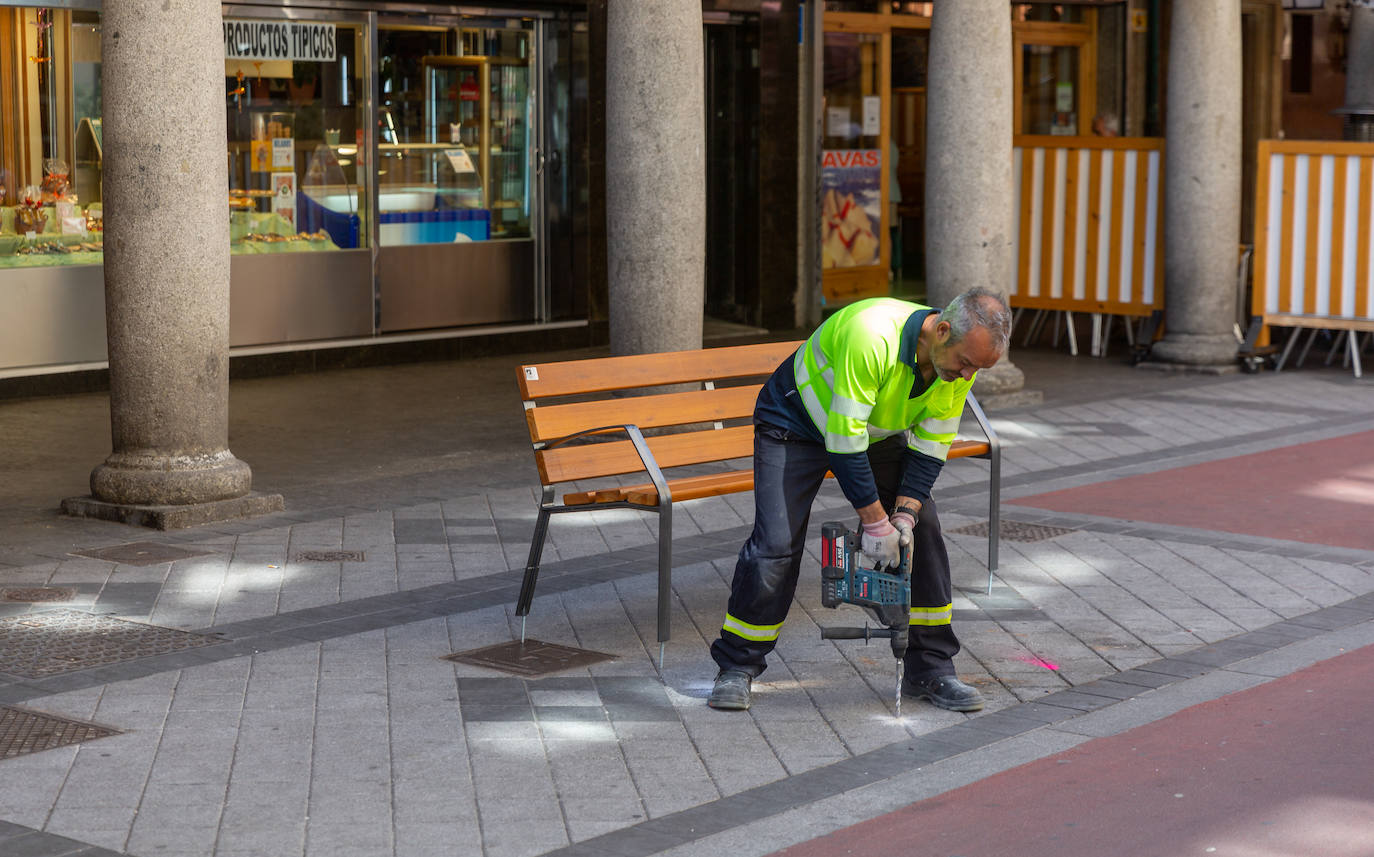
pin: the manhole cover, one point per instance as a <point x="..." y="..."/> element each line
<point x="141" y="553"/>
<point x="329" y="556"/>
<point x="1015" y="531"/>
<point x="23" y="731"/>
<point x="35" y="645"/>
<point x="530" y="658"/>
<point x="37" y="594"/>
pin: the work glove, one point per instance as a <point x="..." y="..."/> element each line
<point x="905" y="525"/>
<point x="881" y="543"/>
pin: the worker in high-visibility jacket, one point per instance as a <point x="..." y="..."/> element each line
<point x="875" y="395"/>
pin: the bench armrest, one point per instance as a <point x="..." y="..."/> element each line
<point x="993" y="442"/>
<point x="646" y="455"/>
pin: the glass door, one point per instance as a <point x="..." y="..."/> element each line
<point x="854" y="166"/>
<point x="457" y="173"/>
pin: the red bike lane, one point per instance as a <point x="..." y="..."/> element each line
<point x="1285" y="769"/>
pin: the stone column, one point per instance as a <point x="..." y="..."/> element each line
<point x="655" y="175"/>
<point x="1202" y="186"/>
<point x="167" y="272"/>
<point x="969" y="217"/>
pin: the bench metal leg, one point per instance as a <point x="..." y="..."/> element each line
<point x="541" y="533"/>
<point x="1073" y="337"/>
<point x="994" y="485"/>
<point x="1355" y="354"/>
<point x="994" y="508"/>
<point x="665" y="576"/>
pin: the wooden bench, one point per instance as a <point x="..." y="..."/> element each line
<point x="576" y="412"/>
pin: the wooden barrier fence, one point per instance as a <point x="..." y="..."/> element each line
<point x="1089" y="231"/>
<point x="1314" y="209"/>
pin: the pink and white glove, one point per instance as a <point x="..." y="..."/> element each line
<point x="905" y="524"/>
<point x="882" y="543"/>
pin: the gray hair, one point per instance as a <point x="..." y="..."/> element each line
<point x="979" y="307"/>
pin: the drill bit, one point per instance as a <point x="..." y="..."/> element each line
<point x="899" y="688"/>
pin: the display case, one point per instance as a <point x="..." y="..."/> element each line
<point x="483" y="103"/>
<point x="430" y="193"/>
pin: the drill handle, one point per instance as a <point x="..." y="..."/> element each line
<point x="864" y="633"/>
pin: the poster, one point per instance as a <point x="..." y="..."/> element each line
<point x="284" y="196"/>
<point x="851" y="207"/>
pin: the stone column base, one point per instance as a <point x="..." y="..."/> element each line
<point x="1007" y="401"/>
<point x="1003" y="386"/>
<point x="1195" y="349"/>
<point x="175" y="517"/>
<point x="1190" y="368"/>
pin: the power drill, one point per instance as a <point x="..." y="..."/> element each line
<point x="885" y="594"/>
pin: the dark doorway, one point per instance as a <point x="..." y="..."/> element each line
<point x="732" y="174"/>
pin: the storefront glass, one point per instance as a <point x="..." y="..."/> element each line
<point x="295" y="101"/>
<point x="852" y="160"/>
<point x="50" y="211"/>
<point x="455" y="119"/>
<point x="1048" y="93"/>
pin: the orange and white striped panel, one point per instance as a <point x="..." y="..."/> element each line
<point x="1316" y="234"/>
<point x="1089" y="224"/>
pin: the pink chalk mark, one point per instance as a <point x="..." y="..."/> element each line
<point x="1039" y="662"/>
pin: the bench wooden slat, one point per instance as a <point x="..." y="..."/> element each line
<point x="572" y="377"/>
<point x="685" y="488"/>
<point x="570" y="463"/>
<point x="715" y="484"/>
<point x="550" y="422"/>
<point x="969" y="448"/>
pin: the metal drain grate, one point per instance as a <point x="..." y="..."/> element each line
<point x="141" y="553"/>
<point x="23" y="731"/>
<point x="37" y="594"/>
<point x="1015" y="531"/>
<point x="34" y="645"/>
<point x="530" y="658"/>
<point x="329" y="556"/>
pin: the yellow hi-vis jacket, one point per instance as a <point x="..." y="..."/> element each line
<point x="858" y="381"/>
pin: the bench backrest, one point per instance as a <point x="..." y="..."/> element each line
<point x="593" y="385"/>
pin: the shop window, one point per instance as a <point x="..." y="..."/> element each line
<point x="852" y="159"/>
<point x="50" y="214"/>
<point x="297" y="135"/>
<point x="455" y="122"/>
<point x="1048" y="94"/>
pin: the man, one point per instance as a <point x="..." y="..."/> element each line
<point x="875" y="395"/>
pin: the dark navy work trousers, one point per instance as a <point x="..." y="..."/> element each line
<point x="788" y="471"/>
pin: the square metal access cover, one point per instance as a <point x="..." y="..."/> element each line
<point x="1015" y="531"/>
<point x="23" y="731"/>
<point x="141" y="553"/>
<point x="530" y="658"/>
<point x="34" y="645"/>
<point x="37" y="594"/>
<point x="329" y="556"/>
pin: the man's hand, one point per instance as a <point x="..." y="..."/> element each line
<point x="882" y="543"/>
<point x="905" y="525"/>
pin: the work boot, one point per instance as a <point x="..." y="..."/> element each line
<point x="732" y="691"/>
<point x="944" y="691"/>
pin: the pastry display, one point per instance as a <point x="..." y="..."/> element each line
<point x="29" y="215"/>
<point x="55" y="180"/>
